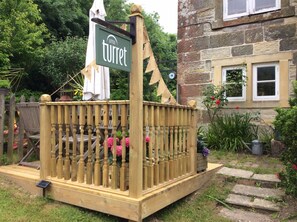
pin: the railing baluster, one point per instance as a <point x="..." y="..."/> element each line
<point x="162" y="127"/>
<point x="180" y="143"/>
<point x="60" y="157"/>
<point x="53" y="141"/>
<point x="97" y="168"/>
<point x="89" y="173"/>
<point x="123" y="172"/>
<point x="145" y="153"/>
<point x="105" y="163"/>
<point x="171" y="154"/>
<point x="175" y="155"/>
<point x="151" y="147"/>
<point x="157" y="144"/>
<point x="167" y="154"/>
<point x="81" y="164"/>
<point x="188" y="139"/>
<point x="67" y="160"/>
<point x="114" y="170"/>
<point x="74" y="143"/>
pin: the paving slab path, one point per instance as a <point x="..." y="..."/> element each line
<point x="251" y="198"/>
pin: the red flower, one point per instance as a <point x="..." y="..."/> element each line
<point x="277" y="175"/>
<point x="218" y="102"/>
<point x="212" y="98"/>
<point x="237" y="107"/>
<point x="294" y="166"/>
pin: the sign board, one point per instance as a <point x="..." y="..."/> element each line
<point x="112" y="49"/>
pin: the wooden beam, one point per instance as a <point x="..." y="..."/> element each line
<point x="45" y="140"/>
<point x="136" y="109"/>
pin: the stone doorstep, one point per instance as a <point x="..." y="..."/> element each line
<point x="244" y="216"/>
<point x="251" y="202"/>
<point x="257" y="191"/>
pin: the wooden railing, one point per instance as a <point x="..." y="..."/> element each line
<point x="88" y="143"/>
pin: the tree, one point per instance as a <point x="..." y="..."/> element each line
<point x="65" y="17"/>
<point x="22" y="33"/>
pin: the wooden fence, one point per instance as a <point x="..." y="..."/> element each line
<point x="11" y="129"/>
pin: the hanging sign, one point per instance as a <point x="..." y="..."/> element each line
<point x="112" y="49"/>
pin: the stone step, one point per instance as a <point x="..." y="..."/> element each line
<point x="249" y="178"/>
<point x="251" y="202"/>
<point x="244" y="216"/>
<point x="264" y="193"/>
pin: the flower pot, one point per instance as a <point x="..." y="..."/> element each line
<point x="201" y="162"/>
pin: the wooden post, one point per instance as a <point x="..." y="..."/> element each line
<point x="11" y="127"/>
<point x="45" y="137"/>
<point x="136" y="109"/>
<point x="193" y="139"/>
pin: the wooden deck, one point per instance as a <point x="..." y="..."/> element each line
<point x="109" y="201"/>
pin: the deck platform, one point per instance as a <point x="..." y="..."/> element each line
<point x="102" y="200"/>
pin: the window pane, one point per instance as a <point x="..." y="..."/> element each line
<point x="266" y="89"/>
<point x="236" y="6"/>
<point x="234" y="90"/>
<point x="234" y="83"/>
<point x="263" y="4"/>
<point x="266" y="73"/>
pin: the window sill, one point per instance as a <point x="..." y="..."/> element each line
<point x="255" y="18"/>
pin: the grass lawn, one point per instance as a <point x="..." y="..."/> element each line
<point x="202" y="206"/>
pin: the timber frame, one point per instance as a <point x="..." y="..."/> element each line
<point x="157" y="164"/>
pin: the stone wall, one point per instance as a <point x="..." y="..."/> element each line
<point x="204" y="38"/>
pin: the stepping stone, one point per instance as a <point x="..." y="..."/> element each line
<point x="244" y="216"/>
<point x="251" y="202"/>
<point x="257" y="191"/>
<point x="266" y="178"/>
<point x="235" y="172"/>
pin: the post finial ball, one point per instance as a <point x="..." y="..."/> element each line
<point x="136" y="9"/>
<point x="45" y="98"/>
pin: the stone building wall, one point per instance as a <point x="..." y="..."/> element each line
<point x="206" y="43"/>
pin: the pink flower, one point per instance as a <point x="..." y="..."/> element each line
<point x="277" y="175"/>
<point x="119" y="150"/>
<point x="127" y="142"/>
<point x="147" y="139"/>
<point x="212" y="98"/>
<point x="5" y="132"/>
<point x="237" y="107"/>
<point x="218" y="102"/>
<point x="294" y="166"/>
<point x="110" y="141"/>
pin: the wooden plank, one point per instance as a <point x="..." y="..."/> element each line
<point x="161" y="198"/>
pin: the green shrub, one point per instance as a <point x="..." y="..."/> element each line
<point x="285" y="123"/>
<point x="231" y="132"/>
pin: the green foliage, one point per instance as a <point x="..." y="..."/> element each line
<point x="63" y="58"/>
<point x="65" y="18"/>
<point x="22" y="33"/>
<point x="27" y="94"/>
<point x="4" y="83"/>
<point x="231" y="132"/>
<point x="285" y="123"/>
<point x="214" y="100"/>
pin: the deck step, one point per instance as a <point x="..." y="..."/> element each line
<point x="264" y="193"/>
<point x="244" y="216"/>
<point x="252" y="202"/>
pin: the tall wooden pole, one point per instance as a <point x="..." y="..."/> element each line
<point x="136" y="109"/>
<point x="45" y="137"/>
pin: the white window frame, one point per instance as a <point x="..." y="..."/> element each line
<point x="224" y="77"/>
<point x="255" y="82"/>
<point x="250" y="9"/>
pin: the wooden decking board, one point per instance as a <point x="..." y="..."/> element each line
<point x="109" y="201"/>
